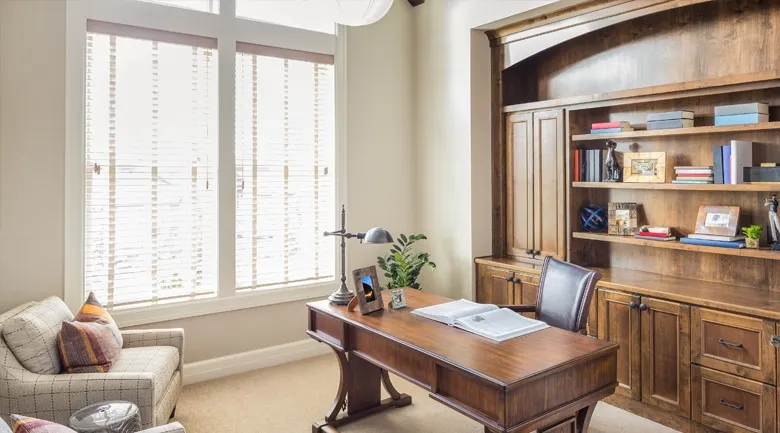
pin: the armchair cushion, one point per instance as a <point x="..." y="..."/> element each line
<point x="161" y="362"/>
<point x="92" y="342"/>
<point x="25" y="424"/>
<point x="32" y="334"/>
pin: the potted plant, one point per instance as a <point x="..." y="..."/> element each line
<point x="753" y="234"/>
<point x="402" y="266"/>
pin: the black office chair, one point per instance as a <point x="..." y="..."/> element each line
<point x="565" y="294"/>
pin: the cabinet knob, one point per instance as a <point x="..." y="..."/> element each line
<point x="642" y="307"/>
<point x="537" y="252"/>
<point x="516" y="280"/>
<point x="775" y="341"/>
<point x="632" y="304"/>
<point x="509" y="278"/>
<point x="529" y="252"/>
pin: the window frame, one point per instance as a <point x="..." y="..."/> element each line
<point x="227" y="29"/>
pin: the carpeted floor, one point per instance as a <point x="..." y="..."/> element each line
<point x="287" y="398"/>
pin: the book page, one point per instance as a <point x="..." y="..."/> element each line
<point x="451" y="311"/>
<point x="500" y="324"/>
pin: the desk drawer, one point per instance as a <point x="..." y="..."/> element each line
<point x="732" y="404"/>
<point x="734" y="344"/>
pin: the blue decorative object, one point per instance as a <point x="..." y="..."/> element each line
<point x="593" y="218"/>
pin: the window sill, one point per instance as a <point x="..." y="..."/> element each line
<point x="215" y="305"/>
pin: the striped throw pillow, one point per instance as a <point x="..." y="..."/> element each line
<point x="91" y="342"/>
<point x="25" y="424"/>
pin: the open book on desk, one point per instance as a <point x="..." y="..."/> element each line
<point x="486" y="320"/>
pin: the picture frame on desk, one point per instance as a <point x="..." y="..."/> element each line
<point x="644" y="167"/>
<point x="717" y="220"/>
<point x="367" y="290"/>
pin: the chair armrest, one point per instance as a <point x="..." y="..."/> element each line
<point x="173" y="427"/>
<point x="155" y="337"/>
<point x="520" y="308"/>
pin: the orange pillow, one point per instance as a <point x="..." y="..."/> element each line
<point x="91" y="343"/>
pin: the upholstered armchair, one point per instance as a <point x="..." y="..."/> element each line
<point x="147" y="373"/>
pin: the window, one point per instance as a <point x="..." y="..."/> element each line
<point x="305" y="14"/>
<point x="202" y="159"/>
<point x="284" y="167"/>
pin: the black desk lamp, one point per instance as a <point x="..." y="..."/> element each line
<point x="376" y="235"/>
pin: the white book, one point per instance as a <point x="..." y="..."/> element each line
<point x="741" y="157"/>
<point x="716" y="237"/>
<point x="486" y="320"/>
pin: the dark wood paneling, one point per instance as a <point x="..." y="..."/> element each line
<point x="327" y="328"/>
<point x="619" y="322"/>
<point x="494" y="285"/>
<point x="469" y="391"/>
<point x="549" y="222"/>
<point x="519" y="184"/>
<point x="731" y="403"/>
<point x="364" y="385"/>
<point x="394" y="356"/>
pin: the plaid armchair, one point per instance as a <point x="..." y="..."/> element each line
<point x="147" y="373"/>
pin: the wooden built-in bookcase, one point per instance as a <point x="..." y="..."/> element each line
<point x="619" y="60"/>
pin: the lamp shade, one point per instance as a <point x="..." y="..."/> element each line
<point x="378" y="235"/>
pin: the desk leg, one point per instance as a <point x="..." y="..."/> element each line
<point x="359" y="393"/>
<point x="579" y="423"/>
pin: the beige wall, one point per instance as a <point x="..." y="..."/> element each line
<point x="380" y="168"/>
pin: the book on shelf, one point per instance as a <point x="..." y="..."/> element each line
<point x="768" y="164"/>
<point x="709" y="243"/>
<point x="741" y="157"/>
<point x="694" y="176"/>
<point x="707" y="181"/>
<point x="716" y="237"/>
<point x="577" y="165"/>
<point x="717" y="164"/>
<point x="655" y="238"/>
<point x="489" y="321"/>
<point x="741" y="119"/>
<point x="751" y="107"/>
<point x="669" y="124"/>
<point x="610" y="125"/>
<point x="610" y="130"/>
<point x="670" y="115"/>
<point x="726" y="164"/>
<point x="657" y="230"/>
<point x="653" y="234"/>
<point x="761" y="174"/>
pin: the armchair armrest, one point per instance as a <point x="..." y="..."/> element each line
<point x="173" y="427"/>
<point x="155" y="337"/>
<point x="520" y="308"/>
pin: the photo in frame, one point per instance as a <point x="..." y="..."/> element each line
<point x="717" y="220"/>
<point x="639" y="167"/>
<point x="367" y="290"/>
<point x="397" y="299"/>
<point x="622" y="219"/>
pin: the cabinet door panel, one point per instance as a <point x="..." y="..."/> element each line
<point x="526" y="290"/>
<point x="619" y="322"/>
<point x="493" y="286"/>
<point x="549" y="181"/>
<point x="519" y="188"/>
<point x="666" y="356"/>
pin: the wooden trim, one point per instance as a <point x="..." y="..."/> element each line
<point x="284" y="53"/>
<point x="714" y="187"/>
<point x="699" y="130"/>
<point x="498" y="155"/>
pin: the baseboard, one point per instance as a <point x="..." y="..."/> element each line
<point x="215" y="368"/>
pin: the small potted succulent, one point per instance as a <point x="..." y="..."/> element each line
<point x="753" y="234"/>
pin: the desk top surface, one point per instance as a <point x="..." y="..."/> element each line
<point x="504" y="363"/>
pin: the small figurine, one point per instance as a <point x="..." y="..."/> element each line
<point x="613" y="172"/>
<point x="774" y="223"/>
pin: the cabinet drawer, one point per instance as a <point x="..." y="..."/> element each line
<point x="732" y="404"/>
<point x="735" y="344"/>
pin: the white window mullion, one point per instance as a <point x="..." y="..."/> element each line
<point x="227" y="149"/>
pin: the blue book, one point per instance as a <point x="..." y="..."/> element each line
<point x="741" y="119"/>
<point x="608" y="130"/>
<point x="708" y="243"/>
<point x="726" y="164"/>
<point x="717" y="163"/>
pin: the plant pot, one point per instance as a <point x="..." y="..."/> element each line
<point x="751" y="243"/>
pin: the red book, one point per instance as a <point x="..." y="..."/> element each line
<point x="655" y="235"/>
<point x="577" y="165"/>
<point x="608" y="125"/>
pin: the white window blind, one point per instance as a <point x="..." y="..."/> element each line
<point x="151" y="153"/>
<point x="285" y="152"/>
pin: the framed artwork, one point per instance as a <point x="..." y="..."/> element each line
<point x="622" y="219"/>
<point x="367" y="289"/>
<point x="644" y="167"/>
<point x="397" y="299"/>
<point x="717" y="220"/>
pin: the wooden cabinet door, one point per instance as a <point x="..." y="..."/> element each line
<point x="526" y="289"/>
<point x="619" y="322"/>
<point x="666" y="355"/>
<point x="494" y="286"/>
<point x="519" y="185"/>
<point x="549" y="151"/>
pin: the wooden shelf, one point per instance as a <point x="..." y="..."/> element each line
<point x="677" y="132"/>
<point x="680" y="186"/>
<point x="676" y="245"/>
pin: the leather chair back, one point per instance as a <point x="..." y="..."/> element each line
<point x="565" y="294"/>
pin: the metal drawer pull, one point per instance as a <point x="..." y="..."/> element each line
<point x="726" y="343"/>
<point x="775" y="341"/>
<point x="732" y="405"/>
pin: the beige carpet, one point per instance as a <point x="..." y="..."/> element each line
<point x="289" y="397"/>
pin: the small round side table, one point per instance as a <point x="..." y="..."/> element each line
<point x="107" y="417"/>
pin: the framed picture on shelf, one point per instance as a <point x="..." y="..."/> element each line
<point x="367" y="290"/>
<point x="717" y="220"/>
<point x="639" y="167"/>
<point x="623" y="219"/>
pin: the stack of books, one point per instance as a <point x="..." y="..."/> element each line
<point x="589" y="165"/>
<point x="693" y="175"/>
<point x="742" y="114"/>
<point x="659" y="233"/>
<point x="610" y="127"/>
<point x="729" y="161"/>
<point x="670" y="120"/>
<point x="737" y="241"/>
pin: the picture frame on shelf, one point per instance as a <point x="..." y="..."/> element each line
<point x="717" y="220"/>
<point x="644" y="167"/>
<point x="367" y="290"/>
<point x="622" y="219"/>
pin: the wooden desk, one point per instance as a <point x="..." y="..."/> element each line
<point x="548" y="380"/>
